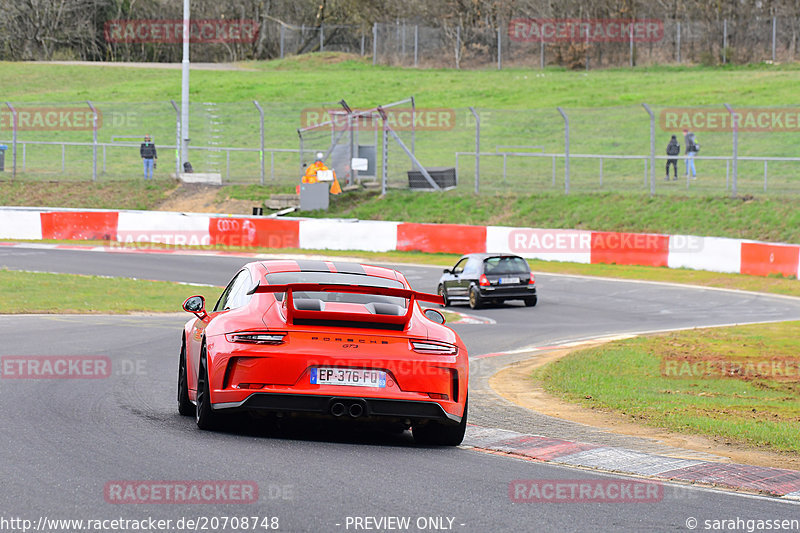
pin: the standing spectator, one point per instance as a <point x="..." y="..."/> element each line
<point x="692" y="147"/>
<point x="149" y="156"/>
<point x="673" y="149"/>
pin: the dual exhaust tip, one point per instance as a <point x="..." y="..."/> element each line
<point x="354" y="409"/>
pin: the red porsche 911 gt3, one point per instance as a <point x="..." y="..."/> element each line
<point x="340" y="340"/>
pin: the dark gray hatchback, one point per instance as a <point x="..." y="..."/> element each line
<point x="480" y="278"/>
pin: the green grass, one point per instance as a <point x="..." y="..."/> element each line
<point x="319" y="78"/>
<point x="680" y="382"/>
<point x="33" y="292"/>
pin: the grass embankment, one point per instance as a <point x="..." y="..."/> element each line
<point x="739" y="384"/>
<point x="313" y="77"/>
<point x="517" y="108"/>
<point x="86" y="194"/>
<point x="34" y="292"/>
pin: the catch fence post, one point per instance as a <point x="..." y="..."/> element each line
<point x="566" y="149"/>
<point x="416" y="46"/>
<point x="94" y="140"/>
<point x="458" y="47"/>
<point x="652" y="149"/>
<point x="630" y="31"/>
<point x="14" y="127"/>
<point x="735" y="124"/>
<point x="177" y="139"/>
<point x="261" y="154"/>
<point x="477" y="148"/>
<point x="499" y="49"/>
<point x="774" y="36"/>
<point x="724" y="41"/>
<point x="374" y="44"/>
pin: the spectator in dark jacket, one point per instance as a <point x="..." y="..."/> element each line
<point x="673" y="149"/>
<point x="149" y="156"/>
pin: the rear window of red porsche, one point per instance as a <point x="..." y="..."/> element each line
<point x="281" y="278"/>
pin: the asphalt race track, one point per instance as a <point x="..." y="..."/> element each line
<point x="66" y="441"/>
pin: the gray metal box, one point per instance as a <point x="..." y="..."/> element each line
<point x="314" y="196"/>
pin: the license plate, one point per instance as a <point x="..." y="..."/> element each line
<point x="508" y="281"/>
<point x="353" y="377"/>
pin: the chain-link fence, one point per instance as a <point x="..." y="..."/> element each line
<point x="538" y="42"/>
<point x="519" y="150"/>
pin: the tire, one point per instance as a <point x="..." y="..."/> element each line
<point x="474" y="298"/>
<point x="531" y="302"/>
<point x="439" y="434"/>
<point x="441" y="291"/>
<point x="205" y="417"/>
<point x="185" y="406"/>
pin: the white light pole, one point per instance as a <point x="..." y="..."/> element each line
<point x="185" y="87"/>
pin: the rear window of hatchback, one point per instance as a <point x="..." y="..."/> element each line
<point x="505" y="265"/>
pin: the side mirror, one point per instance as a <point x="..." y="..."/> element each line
<point x="434" y="316"/>
<point x="196" y="305"/>
<point x="446" y="271"/>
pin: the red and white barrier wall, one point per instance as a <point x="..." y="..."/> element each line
<point x="578" y="246"/>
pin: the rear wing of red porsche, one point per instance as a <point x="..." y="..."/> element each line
<point x="375" y="312"/>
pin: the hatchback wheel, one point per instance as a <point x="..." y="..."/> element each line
<point x="475" y="298"/>
<point x="443" y="293"/>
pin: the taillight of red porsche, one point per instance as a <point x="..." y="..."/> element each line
<point x="256" y="337"/>
<point x="433" y="347"/>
